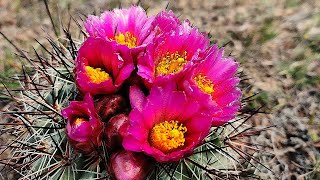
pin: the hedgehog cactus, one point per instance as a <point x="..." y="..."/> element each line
<point x="142" y="97"/>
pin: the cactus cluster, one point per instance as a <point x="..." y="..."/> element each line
<point x="77" y="113"/>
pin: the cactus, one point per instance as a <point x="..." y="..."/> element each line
<point x="41" y="149"/>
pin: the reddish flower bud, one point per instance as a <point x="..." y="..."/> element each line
<point x="84" y="128"/>
<point x="129" y="165"/>
<point x="110" y="105"/>
<point x="113" y="135"/>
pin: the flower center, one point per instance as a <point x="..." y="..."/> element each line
<point x="97" y="75"/>
<point x="204" y="84"/>
<point x="168" y="136"/>
<point x="78" y="122"/>
<point x="171" y="63"/>
<point x="126" y="39"/>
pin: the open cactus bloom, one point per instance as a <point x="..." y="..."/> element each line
<point x="100" y="69"/>
<point x="172" y="54"/>
<point x="166" y="125"/>
<point x="84" y="127"/>
<point x="214" y="81"/>
<point x="129" y="29"/>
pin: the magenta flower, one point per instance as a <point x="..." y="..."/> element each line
<point x="166" y="125"/>
<point x="130" y="29"/>
<point x="172" y="54"/>
<point x="100" y="69"/>
<point x="84" y="128"/>
<point x="164" y="22"/>
<point x="214" y="81"/>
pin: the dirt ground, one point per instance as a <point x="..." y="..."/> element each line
<point x="277" y="43"/>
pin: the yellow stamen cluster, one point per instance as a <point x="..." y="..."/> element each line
<point x="204" y="83"/>
<point x="171" y="63"/>
<point x="97" y="75"/>
<point x="78" y="122"/>
<point x="126" y="39"/>
<point x="167" y="136"/>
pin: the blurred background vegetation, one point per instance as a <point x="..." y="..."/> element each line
<point x="277" y="43"/>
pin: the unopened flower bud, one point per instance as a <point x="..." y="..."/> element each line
<point x="127" y="165"/>
<point x="113" y="135"/>
<point x="110" y="105"/>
